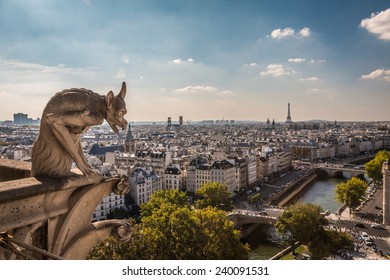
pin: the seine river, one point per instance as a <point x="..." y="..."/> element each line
<point x="321" y="193"/>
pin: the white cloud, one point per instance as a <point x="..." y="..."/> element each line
<point x="125" y="59"/>
<point x="34" y="68"/>
<point x="304" y="32"/>
<point x="310" y="79"/>
<point x="296" y="60"/>
<point x="225" y="92"/>
<point x="378" y="24"/>
<point x="36" y="83"/>
<point x="289" y="32"/>
<point x="317" y="61"/>
<point x="121" y="74"/>
<point x="182" y="61"/>
<point x="204" y="89"/>
<point x="275" y="70"/>
<point x="253" y="64"/>
<point x="197" y="89"/>
<point x="378" y="74"/>
<point x="282" y="33"/>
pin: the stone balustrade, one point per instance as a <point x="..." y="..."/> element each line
<point x="54" y="215"/>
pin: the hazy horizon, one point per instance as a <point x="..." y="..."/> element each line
<point x="222" y="59"/>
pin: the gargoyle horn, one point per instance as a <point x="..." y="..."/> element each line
<point x="122" y="93"/>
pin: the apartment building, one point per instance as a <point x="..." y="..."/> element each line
<point x="224" y="172"/>
<point x="109" y="204"/>
<point x="143" y="183"/>
<point x="173" y="178"/>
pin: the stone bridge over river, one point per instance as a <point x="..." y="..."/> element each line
<point x="248" y="220"/>
<point x="339" y="171"/>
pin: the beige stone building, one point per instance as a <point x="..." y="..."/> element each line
<point x="143" y="183"/>
<point x="174" y="178"/>
<point x="200" y="172"/>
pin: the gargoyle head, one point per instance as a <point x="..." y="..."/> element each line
<point x="116" y="109"/>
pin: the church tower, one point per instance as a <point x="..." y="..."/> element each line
<point x="130" y="142"/>
<point x="289" y="121"/>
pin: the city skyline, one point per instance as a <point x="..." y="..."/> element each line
<point x="218" y="59"/>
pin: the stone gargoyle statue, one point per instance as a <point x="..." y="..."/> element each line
<point x="66" y="116"/>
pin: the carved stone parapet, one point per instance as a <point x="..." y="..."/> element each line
<point x="62" y="209"/>
<point x="123" y="186"/>
<point x="123" y="232"/>
<point x="29" y="200"/>
<point x="76" y="223"/>
<point x="14" y="169"/>
<point x="85" y="240"/>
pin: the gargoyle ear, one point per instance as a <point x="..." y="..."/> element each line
<point x="122" y="93"/>
<point x="109" y="99"/>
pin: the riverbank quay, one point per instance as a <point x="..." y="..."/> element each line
<point x="286" y="194"/>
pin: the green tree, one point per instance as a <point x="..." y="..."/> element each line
<point x="339" y="240"/>
<point x="327" y="243"/>
<point x="305" y="223"/>
<point x="215" y="195"/>
<point x="351" y="192"/>
<point x="177" y="232"/>
<point x="118" y="214"/>
<point x="109" y="249"/>
<point x="174" y="197"/>
<point x="374" y="167"/>
<point x="301" y="222"/>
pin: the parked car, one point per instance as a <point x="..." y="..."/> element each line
<point x="360" y="225"/>
<point x="377" y="207"/>
<point x="364" y="234"/>
<point x="377" y="226"/>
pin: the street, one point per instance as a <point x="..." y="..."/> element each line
<point x="367" y="215"/>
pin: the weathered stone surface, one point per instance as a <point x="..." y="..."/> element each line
<point x="64" y="208"/>
<point x="66" y="116"/>
<point x="14" y="169"/>
<point x="57" y="205"/>
<point x="28" y="201"/>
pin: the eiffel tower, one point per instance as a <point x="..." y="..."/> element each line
<point x="289" y="121"/>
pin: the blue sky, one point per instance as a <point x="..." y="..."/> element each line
<point x="242" y="60"/>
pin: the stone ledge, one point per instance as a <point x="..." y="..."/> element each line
<point x="14" y="169"/>
<point x="27" y="187"/>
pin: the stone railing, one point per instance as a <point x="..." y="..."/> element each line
<point x="54" y="215"/>
<point x="14" y="169"/>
